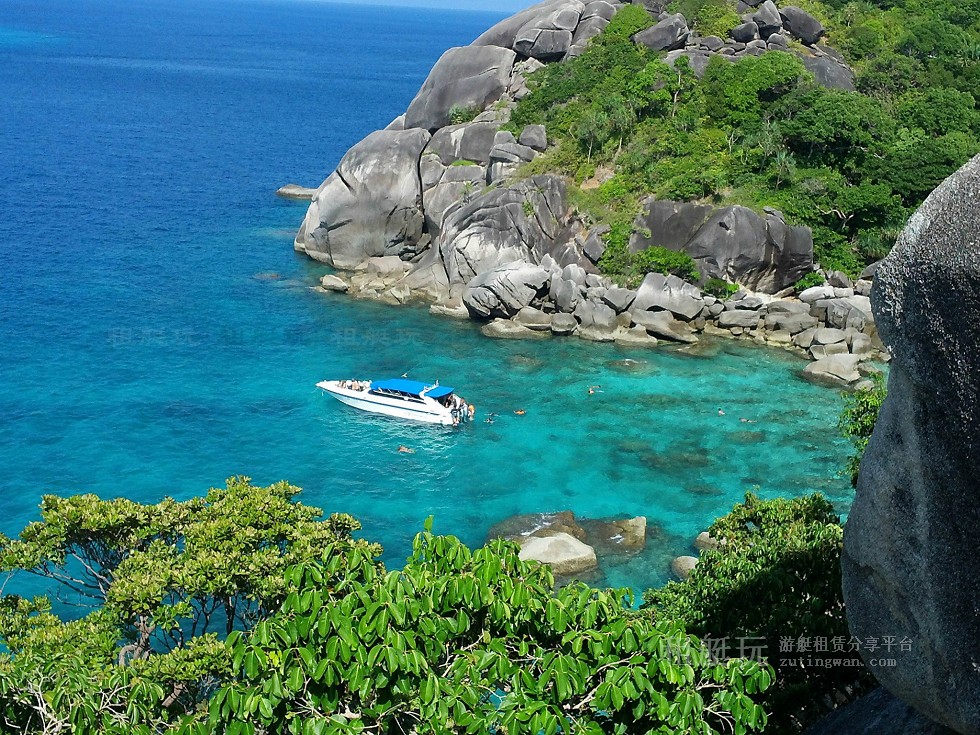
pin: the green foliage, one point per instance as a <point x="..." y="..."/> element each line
<point x="707" y="17"/>
<point x="720" y="289"/>
<point x="656" y="259"/>
<point x="774" y="577"/>
<point x="849" y="165"/>
<point x="475" y="642"/>
<point x="459" y="114"/>
<point x="809" y="281"/>
<point x="168" y="580"/>
<point x="857" y="419"/>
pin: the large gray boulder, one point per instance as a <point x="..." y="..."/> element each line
<point x="877" y="713"/>
<point x="506" y="31"/>
<point x="767" y="18"/>
<point x="745" y="32"/>
<point x="837" y="370"/>
<point x="505" y="290"/>
<point x="455" y="184"/>
<point x="466" y="142"/>
<point x="732" y="243"/>
<point x="548" y="36"/>
<point x="801" y="24"/>
<point x="465" y="76"/>
<point x="661" y="324"/>
<point x="669" y="34"/>
<point x="658" y="292"/>
<point x="738" y="318"/>
<point x="524" y="221"/>
<point x="828" y="70"/>
<point x="907" y="572"/>
<point x="588" y="29"/>
<point x="371" y="205"/>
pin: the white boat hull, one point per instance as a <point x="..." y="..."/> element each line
<point x="425" y="409"/>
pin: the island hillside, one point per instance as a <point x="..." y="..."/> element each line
<point x="656" y="171"/>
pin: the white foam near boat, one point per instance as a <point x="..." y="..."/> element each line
<point x="406" y="399"/>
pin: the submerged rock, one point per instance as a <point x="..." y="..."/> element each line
<point x="519" y="526"/>
<point x="507" y="329"/>
<point x="906" y="572"/>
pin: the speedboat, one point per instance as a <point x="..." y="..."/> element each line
<point x="406" y="399"/>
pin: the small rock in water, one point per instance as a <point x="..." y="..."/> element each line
<point x="564" y="553"/>
<point x="682" y="566"/>
<point x="295" y="191"/>
<point x="331" y="282"/>
<point x="706" y="541"/>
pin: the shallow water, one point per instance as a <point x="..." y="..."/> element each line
<point x="158" y="333"/>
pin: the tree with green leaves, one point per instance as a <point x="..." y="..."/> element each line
<point x="773" y="574"/>
<point x="167" y="582"/>
<point x="857" y="420"/>
<point x="475" y="642"/>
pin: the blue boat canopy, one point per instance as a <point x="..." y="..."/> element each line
<point x="412" y="387"/>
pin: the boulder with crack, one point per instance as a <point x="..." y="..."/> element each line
<point x="504" y="290"/>
<point x="469" y="77"/>
<point x="371" y="205"/>
<point x="521" y="222"/>
<point x="905" y="567"/>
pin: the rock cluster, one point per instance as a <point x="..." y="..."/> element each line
<point x="682" y="566"/>
<point x="765" y="27"/>
<point x="532" y="297"/>
<point x="905" y="573"/>
<point x="568" y="544"/>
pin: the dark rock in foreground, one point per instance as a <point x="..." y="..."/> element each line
<point x="906" y="571"/>
<point x="877" y="713"/>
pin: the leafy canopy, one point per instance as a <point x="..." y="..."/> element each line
<point x="476" y="642"/>
<point x="774" y="575"/>
<point x="169" y="580"/>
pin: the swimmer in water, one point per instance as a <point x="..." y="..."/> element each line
<point x="405" y="450"/>
<point x="489" y="418"/>
<point x="747" y="421"/>
<point x="720" y="412"/>
<point x="520" y="412"/>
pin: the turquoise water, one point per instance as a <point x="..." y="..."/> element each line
<point x="159" y="335"/>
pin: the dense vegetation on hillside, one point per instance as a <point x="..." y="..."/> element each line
<point x="761" y="132"/>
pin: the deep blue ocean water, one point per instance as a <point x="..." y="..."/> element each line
<point x="145" y="349"/>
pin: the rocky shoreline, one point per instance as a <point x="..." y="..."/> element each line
<point x="434" y="210"/>
<point x="831" y="325"/>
